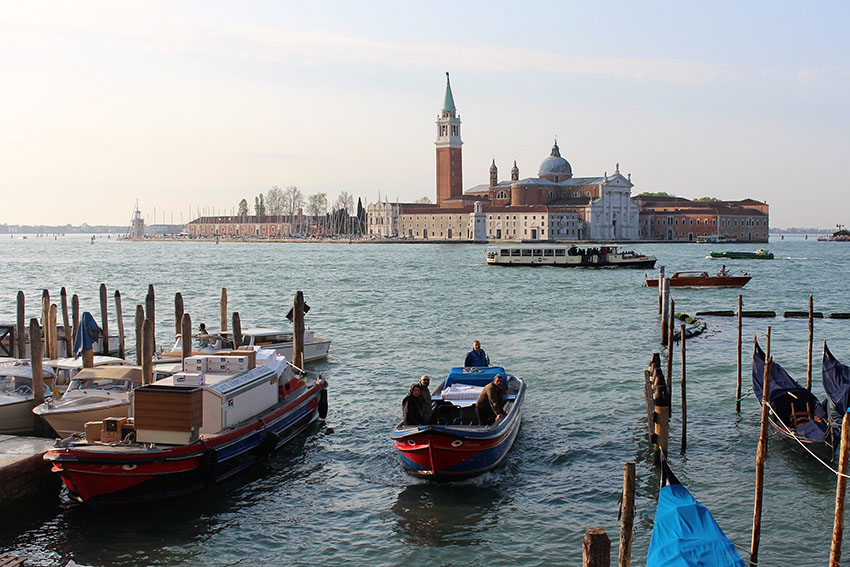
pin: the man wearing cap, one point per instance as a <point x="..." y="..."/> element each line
<point x="490" y="406"/>
<point x="425" y="397"/>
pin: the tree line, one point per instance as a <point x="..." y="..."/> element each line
<point x="311" y="214"/>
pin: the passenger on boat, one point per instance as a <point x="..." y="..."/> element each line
<point x="490" y="406"/>
<point x="425" y="397"/>
<point x="477" y="356"/>
<point x="723" y="271"/>
<point x="411" y="406"/>
<point x="202" y="336"/>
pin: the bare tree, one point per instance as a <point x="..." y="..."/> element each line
<point x="424" y="200"/>
<point x="317" y="206"/>
<point x="275" y="201"/>
<point x="344" y="201"/>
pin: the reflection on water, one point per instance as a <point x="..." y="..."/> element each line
<point x="443" y="514"/>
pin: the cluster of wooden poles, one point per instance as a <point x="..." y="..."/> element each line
<point x="43" y="337"/>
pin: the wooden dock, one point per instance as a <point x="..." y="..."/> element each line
<point x="23" y="471"/>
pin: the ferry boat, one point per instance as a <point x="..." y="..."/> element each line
<point x="714" y="239"/>
<point x="760" y="254"/>
<point x="456" y="446"/>
<point x="567" y="256"/>
<point x="840" y="235"/>
<point x="191" y="430"/>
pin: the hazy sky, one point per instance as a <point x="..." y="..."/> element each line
<point x="198" y="104"/>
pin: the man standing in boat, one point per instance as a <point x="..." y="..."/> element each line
<point x="477" y="356"/>
<point x="411" y="406"/>
<point x="490" y="406"/>
<point x="425" y="397"/>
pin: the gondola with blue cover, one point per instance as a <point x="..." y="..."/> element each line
<point x="796" y="413"/>
<point x="684" y="533"/>
<point x="836" y="381"/>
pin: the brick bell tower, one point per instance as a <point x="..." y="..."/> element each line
<point x="449" y="168"/>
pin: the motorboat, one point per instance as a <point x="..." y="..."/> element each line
<point x="66" y="368"/>
<point x="16" y="396"/>
<point x="701" y="279"/>
<point x="455" y="446"/>
<point x="760" y="254"/>
<point x="566" y="256"/>
<point x="279" y="340"/>
<point x="191" y="431"/>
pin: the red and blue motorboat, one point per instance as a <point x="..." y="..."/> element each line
<point x="455" y="446"/>
<point x="183" y="438"/>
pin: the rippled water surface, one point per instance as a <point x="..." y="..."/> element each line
<point x="581" y="338"/>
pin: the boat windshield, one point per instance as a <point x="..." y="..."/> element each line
<point x="100" y="384"/>
<point x="15" y="385"/>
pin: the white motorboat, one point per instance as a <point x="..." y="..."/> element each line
<point x="278" y="340"/>
<point x="66" y="368"/>
<point x="16" y="396"/>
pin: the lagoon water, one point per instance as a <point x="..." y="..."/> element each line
<point x="580" y="337"/>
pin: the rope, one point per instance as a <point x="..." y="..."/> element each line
<point x="793" y="435"/>
<point x="745" y="395"/>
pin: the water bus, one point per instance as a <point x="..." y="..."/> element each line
<point x="567" y="256"/>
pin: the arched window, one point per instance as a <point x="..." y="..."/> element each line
<point x="587" y="194"/>
<point x="501" y="195"/>
<point x="551" y="194"/>
<point x="575" y="193"/>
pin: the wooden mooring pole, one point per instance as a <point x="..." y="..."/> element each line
<point x="627" y="515"/>
<point x="684" y="397"/>
<point x="222" y="307"/>
<point x="237" y="330"/>
<point x="738" y="389"/>
<point x="840" y="492"/>
<point x="52" y="315"/>
<point x="148" y="347"/>
<point x="660" y="289"/>
<point x="66" y="322"/>
<point x="178" y="314"/>
<point x="596" y="548"/>
<point x="20" y="331"/>
<point x="670" y="333"/>
<point x="185" y="336"/>
<point x="119" y="315"/>
<point x="657" y="406"/>
<point x="150" y="313"/>
<point x="75" y="316"/>
<point x="104" y="318"/>
<point x="139" y="321"/>
<point x="298" y="330"/>
<point x="665" y="307"/>
<point x="760" y="457"/>
<point x="811" y="342"/>
<point x="37" y="370"/>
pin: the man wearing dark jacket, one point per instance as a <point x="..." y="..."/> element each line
<point x="477" y="356"/>
<point x="425" y="397"/>
<point x="490" y="406"/>
<point x="411" y="406"/>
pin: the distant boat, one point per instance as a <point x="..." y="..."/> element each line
<point x="840" y="235"/>
<point x="760" y="254"/>
<point x="701" y="279"/>
<point x="714" y="239"/>
<point x="566" y="256"/>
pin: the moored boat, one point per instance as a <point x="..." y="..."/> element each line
<point x="760" y="254"/>
<point x="566" y="256"/>
<point x="279" y="340"/>
<point x="183" y="438"/>
<point x="701" y="279"/>
<point x="836" y="381"/>
<point x="455" y="446"/>
<point x="16" y="396"/>
<point x="795" y="412"/>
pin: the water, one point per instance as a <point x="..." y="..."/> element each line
<point x="581" y="338"/>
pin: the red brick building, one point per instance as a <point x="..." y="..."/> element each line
<point x="679" y="219"/>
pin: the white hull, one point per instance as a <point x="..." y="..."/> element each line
<point x="16" y="417"/>
<point x="316" y="350"/>
<point x="67" y="423"/>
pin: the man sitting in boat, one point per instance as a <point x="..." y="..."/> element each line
<point x="411" y="406"/>
<point x="477" y="356"/>
<point x="723" y="271"/>
<point x="425" y="397"/>
<point x="490" y="406"/>
<point x="203" y="336"/>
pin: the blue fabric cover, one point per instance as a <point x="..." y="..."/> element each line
<point x="480" y="376"/>
<point x="781" y="382"/>
<point x="836" y="381"/>
<point x="685" y="534"/>
<point x="87" y="334"/>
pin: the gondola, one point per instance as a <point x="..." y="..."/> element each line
<point x="836" y="381"/>
<point x="684" y="532"/>
<point x="796" y="413"/>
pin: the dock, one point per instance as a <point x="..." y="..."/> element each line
<point x="23" y="471"/>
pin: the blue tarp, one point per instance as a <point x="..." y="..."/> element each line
<point x="781" y="382"/>
<point x="87" y="334"/>
<point x="836" y="381"/>
<point x="685" y="534"/>
<point x="477" y="376"/>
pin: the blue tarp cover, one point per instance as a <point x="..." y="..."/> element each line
<point x="87" y="334"/>
<point x="781" y="382"/>
<point x="477" y="376"/>
<point x="685" y="534"/>
<point x="836" y="381"/>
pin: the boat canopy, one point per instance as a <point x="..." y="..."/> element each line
<point x="836" y="381"/>
<point x="130" y="373"/>
<point x="781" y="382"/>
<point x="474" y="376"/>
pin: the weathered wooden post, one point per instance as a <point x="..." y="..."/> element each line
<point x="811" y="341"/>
<point x="104" y="318"/>
<point x="298" y="330"/>
<point x="20" y="332"/>
<point x="140" y="320"/>
<point x="45" y="330"/>
<point x="75" y="316"/>
<point x="840" y="492"/>
<point x="684" y="399"/>
<point x="665" y="306"/>
<point x="627" y="513"/>
<point x="119" y="315"/>
<point x="150" y="312"/>
<point x="767" y="343"/>
<point x="671" y="318"/>
<point x="222" y="307"/>
<point x="52" y="315"/>
<point x="178" y="314"/>
<point x="185" y="336"/>
<point x="738" y="390"/>
<point x="147" y="352"/>
<point x="760" y="457"/>
<point x="35" y="362"/>
<point x="657" y="406"/>
<point x="660" y="289"/>
<point x="596" y="548"/>
<point x="66" y="323"/>
<point x="237" y="330"/>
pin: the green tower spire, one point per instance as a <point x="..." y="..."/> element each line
<point x="449" y="102"/>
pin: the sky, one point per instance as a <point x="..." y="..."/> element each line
<point x="191" y="106"/>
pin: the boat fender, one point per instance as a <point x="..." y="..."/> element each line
<point x="209" y="462"/>
<point x="269" y="443"/>
<point x="323" y="403"/>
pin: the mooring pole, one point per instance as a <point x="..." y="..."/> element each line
<point x="222" y="307"/>
<point x="298" y="330"/>
<point x="760" y="457"/>
<point x="119" y="315"/>
<point x="186" y="336"/>
<point x="684" y="398"/>
<point x="75" y="316"/>
<point x="840" y="491"/>
<point x="738" y="389"/>
<point x="178" y="315"/>
<point x="627" y="513"/>
<point x="811" y="341"/>
<point x="660" y="289"/>
<point x="150" y="313"/>
<point x="670" y="333"/>
<point x="237" y="330"/>
<point x="148" y="347"/>
<point x="665" y="306"/>
<point x="20" y="331"/>
<point x="52" y="315"/>
<point x="66" y="322"/>
<point x="104" y="317"/>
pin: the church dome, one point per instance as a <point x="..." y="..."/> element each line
<point x="555" y="165"/>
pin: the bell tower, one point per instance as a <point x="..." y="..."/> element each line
<point x="449" y="166"/>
